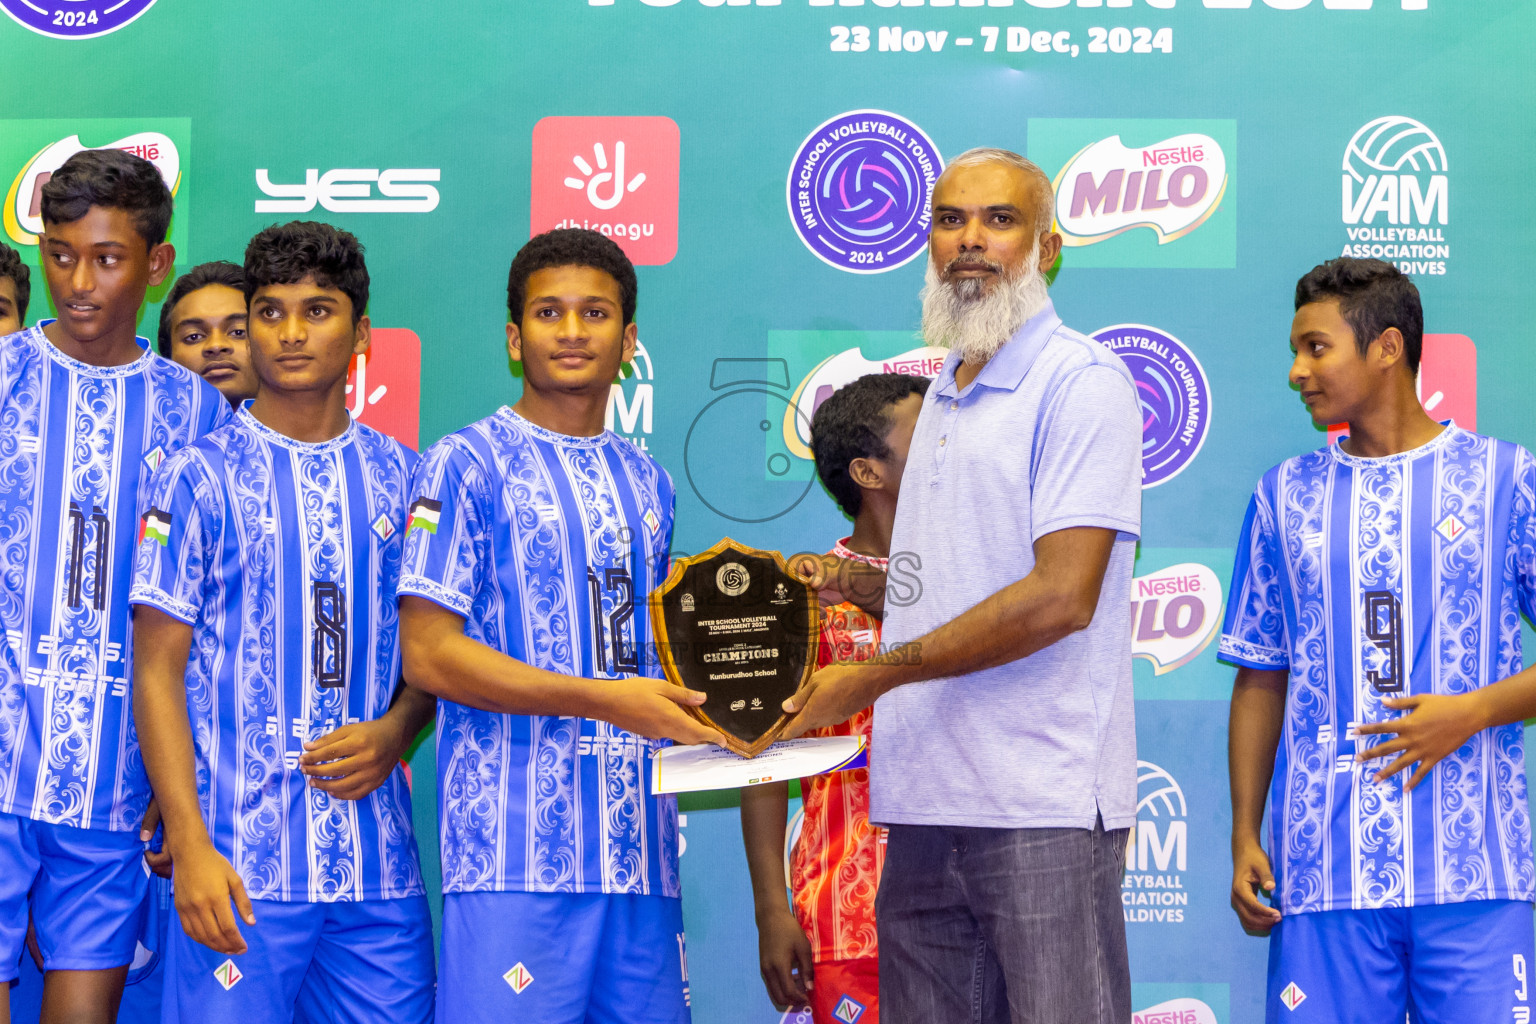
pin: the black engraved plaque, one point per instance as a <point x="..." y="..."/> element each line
<point x="734" y="623"/>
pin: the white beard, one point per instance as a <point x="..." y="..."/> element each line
<point x="960" y="315"/>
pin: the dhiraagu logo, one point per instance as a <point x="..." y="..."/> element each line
<point x="32" y="151"/>
<point x="1141" y="193"/>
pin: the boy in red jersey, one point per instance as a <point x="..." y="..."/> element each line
<point x="823" y="952"/>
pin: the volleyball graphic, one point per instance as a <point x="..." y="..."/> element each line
<point x="1156" y="792"/>
<point x="1392" y="145"/>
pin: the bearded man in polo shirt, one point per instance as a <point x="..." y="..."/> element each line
<point x="1003" y="714"/>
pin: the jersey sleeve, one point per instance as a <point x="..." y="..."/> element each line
<point x="1523" y="543"/>
<point x="1087" y="466"/>
<point x="1254" y="632"/>
<point x="447" y="528"/>
<point x="171" y="561"/>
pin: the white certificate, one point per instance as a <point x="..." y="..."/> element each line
<point x="706" y="766"/>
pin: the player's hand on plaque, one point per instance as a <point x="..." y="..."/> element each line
<point x="830" y="696"/>
<point x="205" y="886"/>
<point x="1250" y="874"/>
<point x="784" y="958"/>
<point x="159" y="861"/>
<point x="653" y="708"/>
<point x="1436" y="725"/>
<point x="354" y="760"/>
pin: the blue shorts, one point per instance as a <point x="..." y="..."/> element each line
<point x="562" y="958"/>
<point x="344" y="962"/>
<point x="85" y="889"/>
<point x="1449" y="964"/>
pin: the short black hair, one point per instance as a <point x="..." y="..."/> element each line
<point x="201" y="276"/>
<point x="12" y="267"/>
<point x="852" y="424"/>
<point x="289" y="253"/>
<point x="571" y="247"/>
<point x="1373" y="295"/>
<point x="112" y="178"/>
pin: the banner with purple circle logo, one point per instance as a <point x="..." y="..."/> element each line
<point x="74" y="19"/>
<point x="859" y="188"/>
<point x="1174" y="393"/>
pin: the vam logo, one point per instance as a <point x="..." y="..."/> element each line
<point x="1176" y="1011"/>
<point x="616" y="175"/>
<point x="1171" y="187"/>
<point x="845" y="368"/>
<point x="1174" y="612"/>
<point x="1397" y="195"/>
<point x="24" y="201"/>
<point x="350" y="190"/>
<point x="1157" y="850"/>
<point x="632" y="400"/>
<point x="75" y="19"/>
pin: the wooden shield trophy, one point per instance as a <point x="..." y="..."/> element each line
<point x="736" y="624"/>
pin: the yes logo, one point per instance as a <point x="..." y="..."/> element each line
<point x="350" y="190"/>
<point x="384" y="387"/>
<point x="23" y="212"/>
<point x="616" y="175"/>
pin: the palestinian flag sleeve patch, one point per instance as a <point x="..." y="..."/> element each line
<point x="155" y="525"/>
<point x="425" y="514"/>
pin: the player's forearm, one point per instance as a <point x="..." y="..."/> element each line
<point x="1256" y="719"/>
<point x="763" y="812"/>
<point x="1512" y="699"/>
<point x="411" y="712"/>
<point x="1058" y="598"/>
<point x="161" y="647"/>
<point x="440" y="660"/>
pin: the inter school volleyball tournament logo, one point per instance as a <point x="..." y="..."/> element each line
<point x="23" y="214"/>
<point x="1396" y="196"/>
<point x="1174" y="393"/>
<point x="859" y="189"/>
<point x="75" y="19"/>
<point x="615" y="175"/>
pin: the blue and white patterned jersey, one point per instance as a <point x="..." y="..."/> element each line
<point x="283" y="557"/>
<point x="548" y="545"/>
<point x="1376" y="578"/>
<point x="78" y="444"/>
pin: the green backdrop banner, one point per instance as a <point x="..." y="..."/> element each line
<point x="767" y="165"/>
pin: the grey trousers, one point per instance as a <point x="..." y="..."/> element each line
<point x="1002" y="926"/>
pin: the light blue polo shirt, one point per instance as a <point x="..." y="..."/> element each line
<point x="1048" y="436"/>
